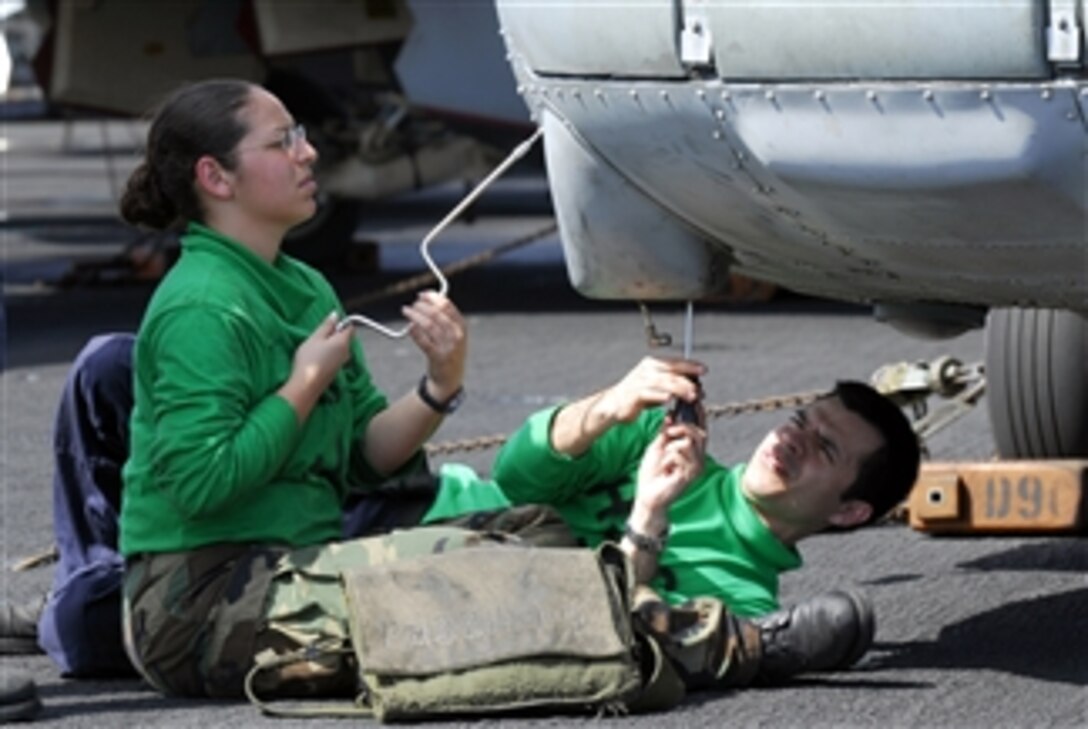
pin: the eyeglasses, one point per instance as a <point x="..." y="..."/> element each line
<point x="292" y="140"/>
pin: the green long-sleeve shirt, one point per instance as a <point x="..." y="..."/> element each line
<point x="718" y="546"/>
<point x="216" y="455"/>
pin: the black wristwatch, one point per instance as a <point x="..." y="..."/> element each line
<point x="444" y="408"/>
<point x="644" y="542"/>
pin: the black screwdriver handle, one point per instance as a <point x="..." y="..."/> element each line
<point x="682" y="411"/>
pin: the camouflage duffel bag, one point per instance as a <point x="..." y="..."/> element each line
<point x="492" y="630"/>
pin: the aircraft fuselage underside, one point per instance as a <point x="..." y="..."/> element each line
<point x="957" y="191"/>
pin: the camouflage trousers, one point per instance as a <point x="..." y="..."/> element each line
<point x="195" y="622"/>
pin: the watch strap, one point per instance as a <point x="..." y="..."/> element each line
<point x="645" y="542"/>
<point x="444" y="407"/>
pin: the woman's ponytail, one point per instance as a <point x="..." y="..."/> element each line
<point x="200" y="119"/>
<point x="144" y="203"/>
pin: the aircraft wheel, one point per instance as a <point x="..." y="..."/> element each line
<point x="1037" y="382"/>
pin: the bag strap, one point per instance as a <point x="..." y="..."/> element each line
<point x="300" y="709"/>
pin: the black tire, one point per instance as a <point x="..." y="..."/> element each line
<point x="325" y="238"/>
<point x="1037" y="382"/>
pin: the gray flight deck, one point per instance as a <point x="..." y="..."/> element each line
<point x="971" y="631"/>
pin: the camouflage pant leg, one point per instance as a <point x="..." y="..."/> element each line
<point x="536" y="525"/>
<point x="306" y="605"/>
<point x="193" y="621"/>
<point x="706" y="645"/>
<point x="189" y="618"/>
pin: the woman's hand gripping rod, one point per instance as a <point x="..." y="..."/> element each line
<point x="424" y="248"/>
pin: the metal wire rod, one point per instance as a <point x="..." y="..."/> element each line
<point x="424" y="248"/>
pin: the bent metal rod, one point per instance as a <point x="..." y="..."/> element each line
<point x="424" y="248"/>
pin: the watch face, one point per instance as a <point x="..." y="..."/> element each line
<point x="455" y="401"/>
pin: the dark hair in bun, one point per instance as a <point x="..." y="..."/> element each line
<point x="196" y="120"/>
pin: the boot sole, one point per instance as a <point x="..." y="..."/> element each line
<point x="19" y="699"/>
<point x="20" y="710"/>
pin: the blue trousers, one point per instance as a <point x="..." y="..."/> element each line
<point x="80" y="627"/>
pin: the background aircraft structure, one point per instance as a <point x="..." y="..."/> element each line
<point x="927" y="158"/>
<point x="395" y="95"/>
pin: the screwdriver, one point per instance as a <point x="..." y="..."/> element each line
<point x="683" y="411"/>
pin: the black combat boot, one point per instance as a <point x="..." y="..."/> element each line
<point x="19" y="627"/>
<point x="18" y="697"/>
<point x="828" y="632"/>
